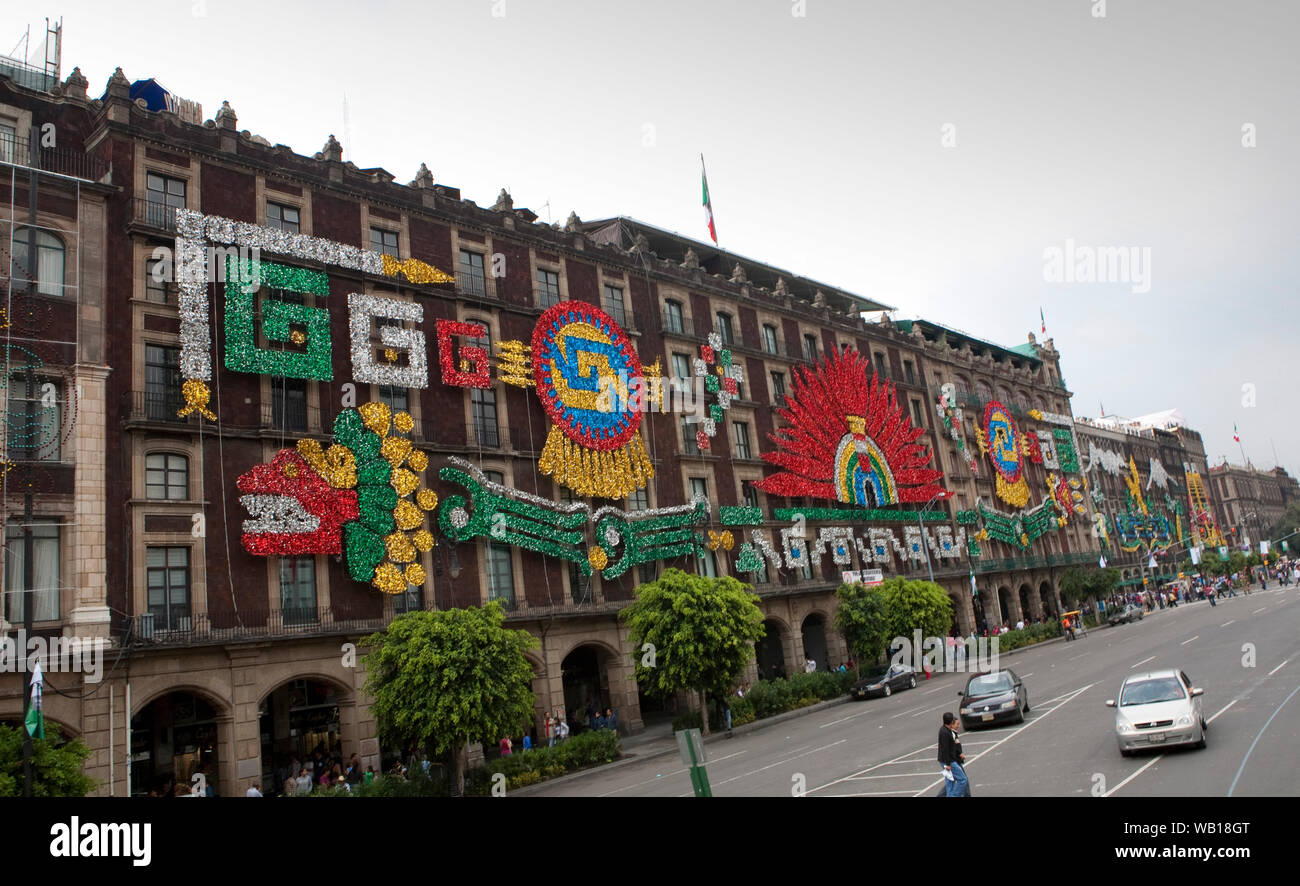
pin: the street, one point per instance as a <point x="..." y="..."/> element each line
<point x="1245" y="653"/>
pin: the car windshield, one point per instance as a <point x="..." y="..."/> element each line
<point x="1152" y="691"/>
<point x="989" y="684"/>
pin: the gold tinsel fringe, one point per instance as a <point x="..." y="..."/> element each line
<point x="593" y="473"/>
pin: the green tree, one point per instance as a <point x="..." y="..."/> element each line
<point x="701" y="631"/>
<point x="861" y="619"/>
<point x="1078" y="585"/>
<point x="1286" y="525"/>
<point x="441" y="680"/>
<point x="909" y="605"/>
<point x="56" y="765"/>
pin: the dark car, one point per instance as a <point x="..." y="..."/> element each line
<point x="993" y="698"/>
<point x="1130" y="613"/>
<point x="899" y="676"/>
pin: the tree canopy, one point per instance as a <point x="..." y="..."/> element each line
<point x="861" y="619"/>
<point x="56" y="765"/>
<point x="1092" y="583"/>
<point x="441" y="680"/>
<point x="909" y="605"/>
<point x="701" y="633"/>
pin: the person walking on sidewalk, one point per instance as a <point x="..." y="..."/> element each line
<point x="952" y="758"/>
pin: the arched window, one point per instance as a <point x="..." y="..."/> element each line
<point x="49" y="262"/>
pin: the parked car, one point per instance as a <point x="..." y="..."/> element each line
<point x="993" y="698"/>
<point x="1158" y="709"/>
<point x="1128" y="614"/>
<point x="898" y="676"/>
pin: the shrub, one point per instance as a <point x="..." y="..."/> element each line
<point x="688" y="720"/>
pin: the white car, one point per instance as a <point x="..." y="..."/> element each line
<point x="1157" y="709"/>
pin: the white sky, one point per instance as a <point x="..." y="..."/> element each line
<point x="822" y="135"/>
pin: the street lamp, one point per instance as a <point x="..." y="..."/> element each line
<point x="921" y="525"/>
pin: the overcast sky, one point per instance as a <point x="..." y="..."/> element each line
<point x="924" y="154"/>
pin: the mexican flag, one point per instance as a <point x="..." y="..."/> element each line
<point x="1042" y="320"/>
<point x="35" y="716"/>
<point x="708" y="205"/>
<point x="1235" y="436"/>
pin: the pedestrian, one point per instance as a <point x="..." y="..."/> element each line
<point x="564" y="730"/>
<point x="506" y="747"/>
<point x="611" y="719"/>
<point x="528" y="742"/>
<point x="370" y="774"/>
<point x="725" y="710"/>
<point x="290" y="787"/>
<point x="353" y="773"/>
<point x="952" y="758"/>
<point x="302" y="783"/>
<point x="550" y="731"/>
<point x="254" y="791"/>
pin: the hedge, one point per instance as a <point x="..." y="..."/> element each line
<point x="529" y="767"/>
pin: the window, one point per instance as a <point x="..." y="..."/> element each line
<point x="500" y="574"/>
<point x="383" y="241"/>
<point x="769" y="339"/>
<point x="740" y="431"/>
<point x="639" y="500"/>
<point x="579" y="585"/>
<point x="880" y="366"/>
<point x="805" y="567"/>
<point x="472" y="279"/>
<point x="289" y="404"/>
<point x="398" y="399"/>
<point x="410" y="600"/>
<point x="810" y="348"/>
<point x="613" y="304"/>
<point x="34" y="423"/>
<point x="724" y="329"/>
<point x="699" y="488"/>
<point x="166" y="477"/>
<point x="286" y="219"/>
<point x="689" y="429"/>
<point x="483" y="403"/>
<point x="916" y="414"/>
<point x="673" y="317"/>
<point x="297" y="590"/>
<point x="681" y="366"/>
<point x="778" y="388"/>
<point x="49" y="262"/>
<point x="162" y="382"/>
<point x="156" y="289"/>
<point x="909" y="372"/>
<point x="749" y="494"/>
<point x="647" y="572"/>
<point x="8" y="140"/>
<point x="548" y="288"/>
<point x="168" y="579"/>
<point x="45" y="570"/>
<point x="163" y="196"/>
<point x="484" y="341"/>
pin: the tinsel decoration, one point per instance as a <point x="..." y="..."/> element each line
<point x="365" y="369"/>
<point x="243" y="280"/>
<point x="848" y="440"/>
<point x="857" y="515"/>
<point x="953" y="419"/>
<point x="357" y="494"/>
<point x="1002" y="443"/>
<point x="722" y="378"/>
<point x="1065" y="453"/>
<point x="415" y="271"/>
<point x="514" y="367"/>
<point x="1046" y="449"/>
<point x="196" y="396"/>
<point x="729" y="515"/>
<point x="476" y="357"/>
<point x="584" y="367"/>
<point x="1108" y="460"/>
<point x="724" y="540"/>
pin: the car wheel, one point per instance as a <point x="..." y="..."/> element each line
<point x="1020" y="716"/>
<point x="1124" y="752"/>
<point x="911" y="684"/>
<point x="1026" y="704"/>
<point x="888" y="691"/>
<point x="1201" y="743"/>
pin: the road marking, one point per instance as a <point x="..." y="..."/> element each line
<point x="770" y="765"/>
<point x="1080" y="655"/>
<point x="1278" y="668"/>
<point x="929" y="774"/>
<point x="1143" y="661"/>
<point x="905" y="713"/>
<point x="666" y="775"/>
<point x="935" y="689"/>
<point x="1024" y="676"/>
<point x="1259" y="610"/>
<point x="845" y="719"/>
<point x="1221" y="710"/>
<point x="928" y="710"/>
<point x="1228" y="622"/>
<point x="861" y="794"/>
<point x="1244" y="759"/>
<point x="1185" y="642"/>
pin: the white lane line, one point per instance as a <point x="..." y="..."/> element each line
<point x="666" y="775"/>
<point x="1080" y="655"/>
<point x="1185" y="642"/>
<point x="905" y="713"/>
<point x="1246" y="758"/>
<point x="868" y="794"/>
<point x="1023" y="676"/>
<point x="1228" y="622"/>
<point x="929" y="774"/>
<point x="899" y="759"/>
<point x="1042" y="716"/>
<point x="930" y="710"/>
<point x="845" y="719"/>
<point x="1221" y="710"/>
<point x="1259" y="610"/>
<point x="1278" y="668"/>
<point x="770" y="765"/>
<point x="1143" y="661"/>
<point x="935" y="689"/>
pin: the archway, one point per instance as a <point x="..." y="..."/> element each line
<point x="297" y="719"/>
<point x="769" y="652"/>
<point x="586" y="685"/>
<point x="1025" y="597"/>
<point x="173" y="738"/>
<point x="1049" y="600"/>
<point x="814" y="640"/>
<point x="1004" y="607"/>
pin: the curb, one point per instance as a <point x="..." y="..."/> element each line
<point x="651" y="755"/>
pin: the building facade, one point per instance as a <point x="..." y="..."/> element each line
<point x="1250" y="501"/>
<point x="311" y="398"/>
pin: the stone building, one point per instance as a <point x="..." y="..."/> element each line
<point x="1250" y="501"/>
<point x="232" y="651"/>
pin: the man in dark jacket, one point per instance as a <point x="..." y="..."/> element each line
<point x="951" y="757"/>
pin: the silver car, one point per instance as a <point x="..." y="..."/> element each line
<point x="1158" y="709"/>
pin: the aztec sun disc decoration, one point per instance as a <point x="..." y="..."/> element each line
<point x="1001" y="440"/>
<point x="849" y="440"/>
<point x="352" y="498"/>
<point x="586" y="373"/>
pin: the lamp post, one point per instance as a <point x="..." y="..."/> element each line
<point x="920" y="523"/>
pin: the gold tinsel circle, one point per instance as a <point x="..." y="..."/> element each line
<point x="597" y="557"/>
<point x="417" y="460"/>
<point x="423" y="540"/>
<point x="415" y="574"/>
<point x="403" y="422"/>
<point x="427" y="499"/>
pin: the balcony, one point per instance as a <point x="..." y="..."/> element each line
<point x="490" y="435"/>
<point x="61" y="161"/>
<point x="671" y="324"/>
<point x="155" y="405"/>
<point x="153" y="215"/>
<point x="292" y="415"/>
<point x="149" y="630"/>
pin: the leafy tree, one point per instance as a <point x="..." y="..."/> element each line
<point x="441" y="680"/>
<point x="702" y="631"/>
<point x="56" y="765"/>
<point x="1287" y="524"/>
<point x="861" y="619"/>
<point x="909" y="605"/>
<point x="1094" y="583"/>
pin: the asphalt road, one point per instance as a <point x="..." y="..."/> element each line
<point x="1245" y="653"/>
